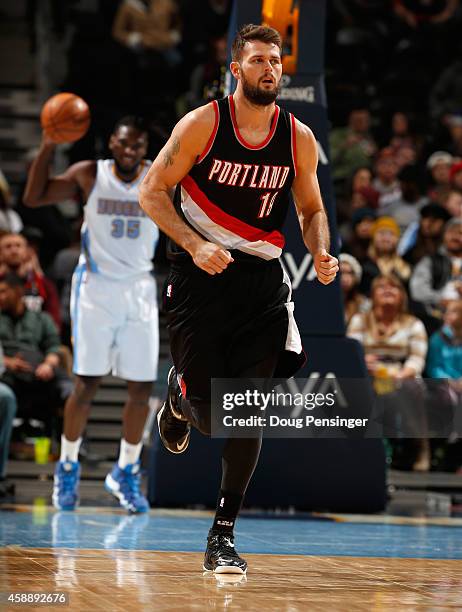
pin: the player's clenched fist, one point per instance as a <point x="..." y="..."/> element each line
<point x="326" y="267"/>
<point x="211" y="258"/>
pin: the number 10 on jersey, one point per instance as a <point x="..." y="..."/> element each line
<point x="267" y="201"/>
<point x="130" y="228"/>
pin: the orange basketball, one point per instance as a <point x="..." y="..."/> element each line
<point x="65" y="117"/>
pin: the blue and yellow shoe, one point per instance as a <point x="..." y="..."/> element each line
<point x="125" y="485"/>
<point x="66" y="485"/>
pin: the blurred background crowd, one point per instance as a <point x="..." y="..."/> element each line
<point x="394" y="89"/>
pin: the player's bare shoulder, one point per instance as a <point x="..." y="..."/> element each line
<point x="304" y="133"/>
<point x="306" y="145"/>
<point x="194" y="130"/>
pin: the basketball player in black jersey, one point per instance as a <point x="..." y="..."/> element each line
<point x="228" y="302"/>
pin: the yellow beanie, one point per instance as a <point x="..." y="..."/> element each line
<point x="386" y="223"/>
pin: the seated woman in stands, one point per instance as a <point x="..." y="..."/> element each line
<point x="395" y="345"/>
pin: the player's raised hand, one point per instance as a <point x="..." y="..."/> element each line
<point x="211" y="258"/>
<point x="326" y="267"/>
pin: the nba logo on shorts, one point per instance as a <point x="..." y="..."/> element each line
<point x="169" y="290"/>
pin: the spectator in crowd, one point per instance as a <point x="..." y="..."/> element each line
<point x="16" y="256"/>
<point x="439" y="165"/>
<point x="425" y="236"/>
<point x="31" y="345"/>
<point x="147" y="24"/>
<point x="438" y="278"/>
<point x="453" y="203"/>
<point x="406" y="210"/>
<point x="350" y="277"/>
<point x="444" y="362"/>
<point x="405" y="156"/>
<point x="395" y="346"/>
<point x="444" y="358"/>
<point x="386" y="179"/>
<point x="10" y="221"/>
<point x="7" y="414"/>
<point x="402" y="137"/>
<point x="362" y="177"/>
<point x="358" y="194"/>
<point x="362" y="222"/>
<point x="455" y="176"/>
<point x="352" y="146"/>
<point x="382" y="257"/>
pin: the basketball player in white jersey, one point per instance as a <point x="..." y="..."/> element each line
<point x="113" y="304"/>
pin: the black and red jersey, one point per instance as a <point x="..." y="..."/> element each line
<point x="237" y="194"/>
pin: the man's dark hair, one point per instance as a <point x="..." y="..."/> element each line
<point x="132" y="121"/>
<point x="12" y="280"/>
<point x="251" y="32"/>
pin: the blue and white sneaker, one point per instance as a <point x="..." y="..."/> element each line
<point x="125" y="485"/>
<point x="66" y="485"/>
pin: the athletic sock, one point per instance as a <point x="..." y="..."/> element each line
<point x="228" y="506"/>
<point x="70" y="450"/>
<point x="129" y="453"/>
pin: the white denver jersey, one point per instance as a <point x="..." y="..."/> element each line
<point x="118" y="238"/>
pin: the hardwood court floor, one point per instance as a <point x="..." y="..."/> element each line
<point x="146" y="580"/>
<point x="107" y="561"/>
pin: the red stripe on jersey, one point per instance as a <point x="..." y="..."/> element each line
<point x="294" y="142"/>
<point x="220" y="217"/>
<point x="238" y="134"/>
<point x="210" y="141"/>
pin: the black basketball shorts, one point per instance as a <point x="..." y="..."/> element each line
<point x="221" y="326"/>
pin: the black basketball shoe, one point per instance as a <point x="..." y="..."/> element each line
<point x="174" y="429"/>
<point x="221" y="556"/>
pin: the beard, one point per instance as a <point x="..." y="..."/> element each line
<point x="260" y="97"/>
<point x="124" y="169"/>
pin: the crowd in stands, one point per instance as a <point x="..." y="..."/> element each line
<point x="397" y="171"/>
<point x="395" y="105"/>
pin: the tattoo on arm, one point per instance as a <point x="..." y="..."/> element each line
<point x="171" y="152"/>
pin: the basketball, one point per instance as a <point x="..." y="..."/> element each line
<point x="65" y="117"/>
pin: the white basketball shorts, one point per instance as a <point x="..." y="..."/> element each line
<point x="115" y="326"/>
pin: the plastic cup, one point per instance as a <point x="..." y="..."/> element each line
<point x="42" y="450"/>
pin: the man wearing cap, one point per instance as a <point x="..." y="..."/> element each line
<point x="423" y="237"/>
<point x="439" y="164"/>
<point x="438" y="278"/>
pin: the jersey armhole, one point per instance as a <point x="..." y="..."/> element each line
<point x="293" y="139"/>
<point x="211" y="140"/>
